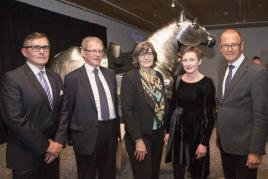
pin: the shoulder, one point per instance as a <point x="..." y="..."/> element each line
<point x="107" y="70"/>
<point x="75" y="73"/>
<point x="207" y="79"/>
<point x="208" y="82"/>
<point x="159" y="75"/>
<point x="131" y="74"/>
<point x="16" y="73"/>
<point x="53" y="74"/>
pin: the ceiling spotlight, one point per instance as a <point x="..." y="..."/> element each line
<point x="173" y="4"/>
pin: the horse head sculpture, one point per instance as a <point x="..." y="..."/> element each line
<point x="167" y="41"/>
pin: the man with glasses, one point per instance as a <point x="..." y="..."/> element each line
<point x="35" y="113"/>
<point x="92" y="104"/>
<point x="242" y="122"/>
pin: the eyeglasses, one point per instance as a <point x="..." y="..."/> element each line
<point x="95" y="52"/>
<point x="37" y="48"/>
<point x="148" y="54"/>
<point x="232" y="46"/>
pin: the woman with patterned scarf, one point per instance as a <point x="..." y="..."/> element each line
<point x="143" y="100"/>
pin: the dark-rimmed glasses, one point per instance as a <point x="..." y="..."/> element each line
<point x="94" y="52"/>
<point x="37" y="48"/>
<point x="232" y="46"/>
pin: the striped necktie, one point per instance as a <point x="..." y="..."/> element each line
<point x="44" y="84"/>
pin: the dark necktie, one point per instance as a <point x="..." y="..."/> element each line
<point x="102" y="95"/>
<point x="44" y="84"/>
<point x="229" y="78"/>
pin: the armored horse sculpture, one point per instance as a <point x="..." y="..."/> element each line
<point x="167" y="41"/>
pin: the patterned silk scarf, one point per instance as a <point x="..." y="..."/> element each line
<point x="153" y="86"/>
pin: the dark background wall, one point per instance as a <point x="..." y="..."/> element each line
<point x="18" y="19"/>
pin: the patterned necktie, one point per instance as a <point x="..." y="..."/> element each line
<point x="229" y="78"/>
<point x="102" y="95"/>
<point x="44" y="84"/>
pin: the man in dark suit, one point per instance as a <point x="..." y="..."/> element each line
<point x="35" y="113"/>
<point x="92" y="103"/>
<point x="242" y="116"/>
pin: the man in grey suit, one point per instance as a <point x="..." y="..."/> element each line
<point x="242" y="116"/>
<point x="35" y="113"/>
<point x="92" y="104"/>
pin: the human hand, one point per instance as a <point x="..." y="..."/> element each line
<point x="254" y="160"/>
<point x="54" y="148"/>
<point x="140" y="151"/>
<point x="166" y="139"/>
<point x="201" y="151"/>
<point x="49" y="157"/>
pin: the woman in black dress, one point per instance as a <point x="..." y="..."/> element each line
<point x="191" y="118"/>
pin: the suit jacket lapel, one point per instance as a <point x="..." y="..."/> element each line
<point x="87" y="87"/>
<point x="242" y="69"/>
<point x="34" y="81"/>
<point x="221" y="77"/>
<point x="147" y="98"/>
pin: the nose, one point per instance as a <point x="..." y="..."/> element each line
<point x="41" y="50"/>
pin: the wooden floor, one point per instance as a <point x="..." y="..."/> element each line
<point x="68" y="166"/>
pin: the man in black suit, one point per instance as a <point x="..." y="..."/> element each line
<point x="242" y="123"/>
<point x="92" y="103"/>
<point x="35" y="113"/>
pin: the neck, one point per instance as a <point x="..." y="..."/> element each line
<point x="193" y="76"/>
<point x="146" y="70"/>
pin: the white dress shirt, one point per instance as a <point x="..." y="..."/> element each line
<point x="236" y="65"/>
<point x="91" y="77"/>
<point x="36" y="71"/>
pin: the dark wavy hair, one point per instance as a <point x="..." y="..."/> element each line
<point x="140" y="49"/>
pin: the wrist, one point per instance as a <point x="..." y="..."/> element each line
<point x="138" y="141"/>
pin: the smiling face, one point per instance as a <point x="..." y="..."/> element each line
<point x="146" y="60"/>
<point x="92" y="51"/>
<point x="40" y="57"/>
<point x="190" y="62"/>
<point x="231" y="45"/>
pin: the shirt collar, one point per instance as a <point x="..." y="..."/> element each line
<point x="238" y="62"/>
<point x="90" y="68"/>
<point x="35" y="69"/>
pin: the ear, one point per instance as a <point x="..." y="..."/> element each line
<point x="83" y="53"/>
<point x="200" y="61"/>
<point x="242" y="45"/>
<point x="24" y="52"/>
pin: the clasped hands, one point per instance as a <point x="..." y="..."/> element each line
<point x="53" y="151"/>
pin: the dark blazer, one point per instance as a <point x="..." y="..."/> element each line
<point x="242" y="115"/>
<point x="29" y="118"/>
<point x="82" y="108"/>
<point x="137" y="105"/>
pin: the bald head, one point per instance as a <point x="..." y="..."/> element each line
<point x="231" y="31"/>
<point x="231" y="45"/>
<point x="89" y="39"/>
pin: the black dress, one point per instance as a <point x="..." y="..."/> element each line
<point x="194" y="124"/>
